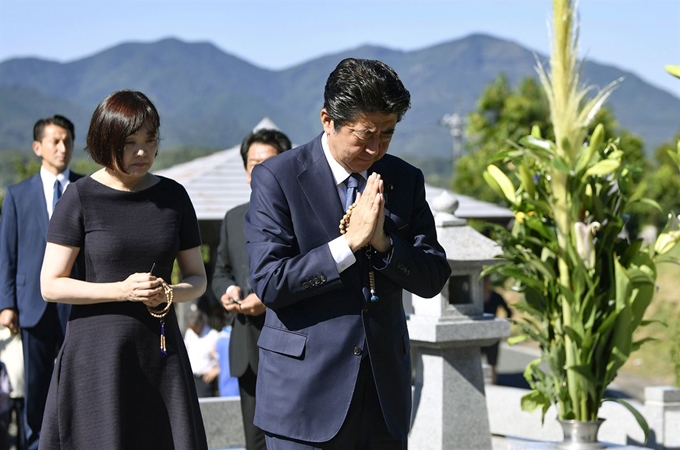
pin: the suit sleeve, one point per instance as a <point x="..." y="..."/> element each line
<point x="418" y="263"/>
<point x="8" y="252"/>
<point x="223" y="277"/>
<point x="281" y="273"/>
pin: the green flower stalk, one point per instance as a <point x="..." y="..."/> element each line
<point x="585" y="288"/>
<point x="570" y="119"/>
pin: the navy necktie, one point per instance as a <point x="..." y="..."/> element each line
<point x="57" y="194"/>
<point x="352" y="183"/>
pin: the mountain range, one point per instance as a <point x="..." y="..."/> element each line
<point x="210" y="99"/>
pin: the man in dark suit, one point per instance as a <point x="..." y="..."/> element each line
<point x="230" y="284"/>
<point x="26" y="211"/>
<point x="335" y="369"/>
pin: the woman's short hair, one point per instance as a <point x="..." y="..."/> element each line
<point x="118" y="116"/>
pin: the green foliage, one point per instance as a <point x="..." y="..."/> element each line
<point x="23" y="168"/>
<point x="610" y="281"/>
<point x="663" y="183"/>
<point x="26" y="168"/>
<point x="673" y="70"/>
<point x="675" y="349"/>
<point x="84" y="166"/>
<point x="504" y="115"/>
<point x="586" y="288"/>
<point x="673" y="156"/>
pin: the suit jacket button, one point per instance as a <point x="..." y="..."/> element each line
<point x="305" y="284"/>
<point x="323" y="278"/>
<point x="357" y="351"/>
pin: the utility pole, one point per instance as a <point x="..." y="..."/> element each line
<point x="454" y="122"/>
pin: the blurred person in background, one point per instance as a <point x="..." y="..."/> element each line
<point x="226" y="383"/>
<point x="26" y="212"/>
<point x="200" y="340"/>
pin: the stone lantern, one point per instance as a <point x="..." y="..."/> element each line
<point x="447" y="333"/>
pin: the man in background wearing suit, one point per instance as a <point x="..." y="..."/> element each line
<point x="335" y="368"/>
<point x="230" y="284"/>
<point x="26" y="211"/>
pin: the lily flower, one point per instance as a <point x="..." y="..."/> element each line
<point x="670" y="235"/>
<point x="585" y="246"/>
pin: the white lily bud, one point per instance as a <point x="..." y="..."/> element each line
<point x="584" y="237"/>
<point x="670" y="236"/>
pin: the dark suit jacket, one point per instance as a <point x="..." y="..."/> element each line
<point x="320" y="322"/>
<point x="231" y="268"/>
<point x="23" y="232"/>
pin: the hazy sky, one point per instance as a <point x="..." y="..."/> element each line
<point x="636" y="35"/>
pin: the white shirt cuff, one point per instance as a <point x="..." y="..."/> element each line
<point x="342" y="254"/>
<point x="230" y="286"/>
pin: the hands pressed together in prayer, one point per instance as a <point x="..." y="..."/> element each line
<point x="368" y="218"/>
<point x="250" y="305"/>
<point x="145" y="288"/>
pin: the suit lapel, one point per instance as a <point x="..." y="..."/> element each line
<point x="316" y="181"/>
<point x="38" y="202"/>
<point x="318" y="186"/>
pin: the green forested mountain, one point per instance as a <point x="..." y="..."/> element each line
<point x="210" y="99"/>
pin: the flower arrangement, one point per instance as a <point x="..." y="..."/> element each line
<point x="586" y="286"/>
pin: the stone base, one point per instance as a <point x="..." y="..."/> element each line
<point x="515" y="444"/>
<point x="449" y="406"/>
<point x="222" y="421"/>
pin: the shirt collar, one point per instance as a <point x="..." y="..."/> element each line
<point x="340" y="174"/>
<point x="48" y="178"/>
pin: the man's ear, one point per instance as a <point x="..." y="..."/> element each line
<point x="327" y="121"/>
<point x="37" y="148"/>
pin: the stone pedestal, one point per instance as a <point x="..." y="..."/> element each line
<point x="449" y="406"/>
<point x="662" y="410"/>
<point x="447" y="332"/>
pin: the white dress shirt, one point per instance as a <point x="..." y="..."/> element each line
<point x="48" y="185"/>
<point x="339" y="248"/>
<point x="200" y="348"/>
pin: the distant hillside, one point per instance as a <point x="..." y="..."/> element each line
<point x="208" y="98"/>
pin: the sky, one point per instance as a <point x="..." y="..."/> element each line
<point x="640" y="36"/>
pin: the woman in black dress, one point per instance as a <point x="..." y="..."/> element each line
<point x="122" y="379"/>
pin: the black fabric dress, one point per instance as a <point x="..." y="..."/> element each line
<point x="111" y="387"/>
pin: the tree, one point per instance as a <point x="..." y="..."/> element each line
<point x="663" y="184"/>
<point x="504" y="115"/>
<point x="26" y="168"/>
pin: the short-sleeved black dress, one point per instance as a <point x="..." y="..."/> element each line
<point x="111" y="387"/>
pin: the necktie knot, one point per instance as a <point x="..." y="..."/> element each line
<point x="352" y="183"/>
